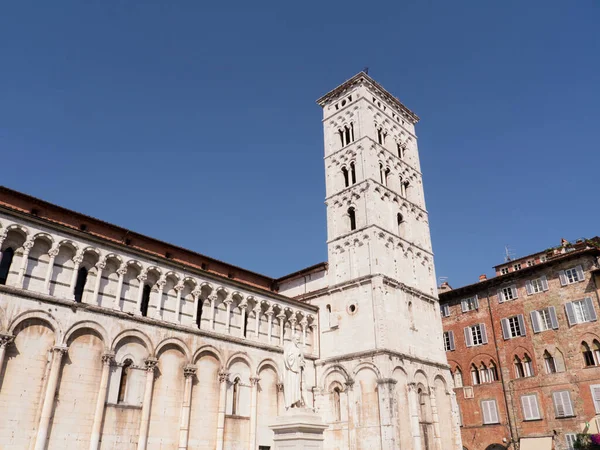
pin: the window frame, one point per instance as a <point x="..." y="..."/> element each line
<point x="530" y="399"/>
<point x="467" y="303"/>
<point x="507" y="330"/>
<point x="566" y="276"/>
<point x="537" y="319"/>
<point x="483" y="412"/>
<point x="470" y="336"/>
<point x="572" y="314"/>
<point x="562" y="394"/>
<point x="449" y="339"/>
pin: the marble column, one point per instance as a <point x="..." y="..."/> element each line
<point x="178" y="288"/>
<point x="189" y="372"/>
<point x="197" y="305"/>
<point x="53" y="253"/>
<point x="77" y="260"/>
<point x="27" y="246"/>
<point x="388" y="416"/>
<point x="223" y="380"/>
<point x="352" y="414"/>
<point x="100" y="265"/>
<point x="304" y="324"/>
<point x="107" y="359"/>
<point x="151" y="364"/>
<point x="138" y="303"/>
<point x="121" y="272"/>
<point x="5" y="341"/>
<point x="243" y="307"/>
<point x="48" y="403"/>
<point x="413" y="402"/>
<point x="280" y="399"/>
<point x="281" y="317"/>
<point x="228" y="301"/>
<point x="269" y="315"/>
<point x="253" y="411"/>
<point x="160" y="284"/>
<point x="457" y="439"/>
<point x="437" y="437"/>
<point x="257" y="311"/>
<point x="213" y="301"/>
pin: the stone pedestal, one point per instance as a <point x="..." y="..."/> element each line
<point x="298" y="429"/>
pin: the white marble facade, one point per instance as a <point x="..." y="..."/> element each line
<point x="104" y="347"/>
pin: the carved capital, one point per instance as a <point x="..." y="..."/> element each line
<point x="150" y="364"/>
<point x="6" y="339"/>
<point x="142" y="277"/>
<point x="108" y="358"/>
<point x="78" y="258"/>
<point x="254" y="381"/>
<point x="279" y="387"/>
<point x="122" y="271"/>
<point x="28" y="245"/>
<point x="350" y="384"/>
<point x="196" y="293"/>
<point x="412" y="387"/>
<point x="100" y="265"/>
<point x="189" y="370"/>
<point x="223" y="376"/>
<point x="281" y="316"/>
<point x="161" y="283"/>
<point x="228" y="300"/>
<point x="386" y="381"/>
<point x="178" y="287"/>
<point x="270" y="312"/>
<point x="213" y="298"/>
<point x="53" y="253"/>
<point x="60" y="349"/>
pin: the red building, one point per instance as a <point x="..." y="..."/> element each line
<point x="524" y="348"/>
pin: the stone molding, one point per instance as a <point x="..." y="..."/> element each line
<point x="108" y="358"/>
<point x="6" y="339"/>
<point x="381" y="352"/>
<point x="189" y="371"/>
<point x="150" y="364"/>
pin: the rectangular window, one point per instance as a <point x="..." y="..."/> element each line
<point x="507" y="293"/>
<point x="449" y="341"/>
<point x="550" y="363"/>
<point x="570" y="276"/>
<point x="537" y="285"/>
<point x="445" y="309"/>
<point x="595" y="388"/>
<point x="530" y="262"/>
<point x="469" y="304"/>
<point x="562" y="404"/>
<point x="581" y="311"/>
<point x="504" y="271"/>
<point x="475" y="335"/>
<point x="517" y="266"/>
<point x="570" y="438"/>
<point x="544" y="319"/>
<point x="531" y="410"/>
<point x="543" y="258"/>
<point x="490" y="411"/>
<point x="513" y="327"/>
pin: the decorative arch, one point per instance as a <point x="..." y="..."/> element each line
<point x="175" y="342"/>
<point x="335" y="368"/>
<point x="69" y="243"/>
<point x="423" y="375"/>
<point x="87" y="324"/>
<point x="137" y="334"/>
<point x="239" y="356"/>
<point x="43" y="235"/>
<point x="39" y="315"/>
<point x="368" y="366"/>
<point x="210" y="350"/>
<point x="269" y="363"/>
<point x="441" y="378"/>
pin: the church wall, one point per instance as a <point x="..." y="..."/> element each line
<point x="205" y="403"/>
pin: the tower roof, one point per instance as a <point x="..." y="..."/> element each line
<point x="363" y="78"/>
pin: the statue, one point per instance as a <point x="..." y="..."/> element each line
<point x="292" y="379"/>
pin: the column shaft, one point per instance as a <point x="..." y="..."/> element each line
<point x="243" y="308"/>
<point x="26" y="249"/>
<point x="253" y="411"/>
<point x="178" y="289"/>
<point x="186" y="406"/>
<point x="100" y="402"/>
<point x="352" y="415"/>
<point x="437" y="438"/>
<point x="52" y="253"/>
<point x="147" y="405"/>
<point x="121" y="272"/>
<point x="77" y="261"/>
<point x="223" y="379"/>
<point x="414" y="415"/>
<point x="228" y="318"/>
<point x="269" y="326"/>
<point x="388" y="417"/>
<point x="138" y="308"/>
<point x="99" y="268"/>
<point x="5" y="340"/>
<point x="213" y="299"/>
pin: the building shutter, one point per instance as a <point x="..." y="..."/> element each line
<point x="535" y="321"/>
<point x="485" y="406"/>
<point x="562" y="404"/>
<point x="535" y="410"/>
<point x="570" y="313"/>
<point x="500" y="296"/>
<point x="528" y="287"/>
<point x="451" y="339"/>
<point x="558" y="406"/>
<point x="562" y="277"/>
<point x="492" y="412"/>
<point x="521" y="325"/>
<point x="566" y="398"/>
<point x="463" y="305"/>
<point x="445" y="310"/>
<point x="580" y="275"/>
<point x="476" y="298"/>
<point x="526" y="407"/>
<point x="553" y="318"/>
<point x="484" y="339"/>
<point x="545" y="283"/>
<point x="468" y="337"/>
<point x="515" y="293"/>
<point x="595" y="388"/>
<point x="589" y="304"/>
<point x="505" y="329"/>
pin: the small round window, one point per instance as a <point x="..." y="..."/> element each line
<point x="352" y="308"/>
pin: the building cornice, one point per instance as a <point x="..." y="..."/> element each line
<point x="384" y="352"/>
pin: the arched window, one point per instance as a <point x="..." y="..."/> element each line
<point x="347" y="134"/>
<point x="199" y="313"/>
<point x="411" y="316"/>
<point x="6" y="258"/>
<point x="346" y="179"/>
<point x="235" y="397"/>
<point x="475" y="375"/>
<point x="381" y="173"/>
<point x="337" y="410"/>
<point x="352" y="218"/>
<point x="400" y="151"/>
<point x="123" y="382"/>
<point x="82" y="274"/>
<point x="596" y="351"/>
<point x="519" y="370"/>
<point x="549" y="362"/>
<point x="352" y="173"/>
<point x="483" y="373"/>
<point x="145" y="300"/>
<point x="588" y="355"/>
<point x="400" y="222"/>
<point x="458" y="379"/>
<point x="527" y="365"/>
<point x="404" y="188"/>
<point x="245" y="324"/>
<point x="492" y="372"/>
<point x="341" y="134"/>
<point x="381" y="136"/>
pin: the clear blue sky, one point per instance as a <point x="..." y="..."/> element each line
<point x="195" y="122"/>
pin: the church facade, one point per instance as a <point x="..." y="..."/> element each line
<point x="113" y="340"/>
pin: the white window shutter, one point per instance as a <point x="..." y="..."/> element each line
<point x="521" y="325"/>
<point x="485" y="406"/>
<point x="566" y="399"/>
<point x="484" y="339"/>
<point x="528" y="287"/>
<point x="595" y="388"/>
<point x="500" y="296"/>
<point x="535" y="410"/>
<point x="463" y="305"/>
<point x="468" y="337"/>
<point x="514" y="290"/>
<point x="493" y="412"/>
<point x="476" y="302"/>
<point x="535" y="322"/>
<point x="505" y="329"/>
<point x="559" y="409"/>
<point x="570" y="313"/>
<point x="562" y="277"/>
<point x="526" y="407"/>
<point x="545" y="283"/>
<point x="580" y="275"/>
<point x="553" y="318"/>
<point x="451" y="338"/>
<point x="589" y="304"/>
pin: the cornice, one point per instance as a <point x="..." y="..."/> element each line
<point x="381" y="351"/>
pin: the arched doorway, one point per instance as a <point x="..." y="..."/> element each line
<point x="495" y="447"/>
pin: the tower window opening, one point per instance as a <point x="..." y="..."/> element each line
<point x="341" y="134"/>
<point x="352" y="217"/>
<point x="145" y="300"/>
<point x="386" y="176"/>
<point x="400" y="223"/>
<point x="380" y="136"/>
<point x="346" y="178"/>
<point x="123" y="380"/>
<point x="236" y="392"/>
<point x="400" y="151"/>
<point x="403" y="187"/>
<point x="199" y="313"/>
<point x="245" y="323"/>
<point x="353" y="173"/>
<point x="6" y="258"/>
<point x="337" y="411"/>
<point x="82" y="274"/>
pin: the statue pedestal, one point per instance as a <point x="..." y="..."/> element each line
<point x="298" y="429"/>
